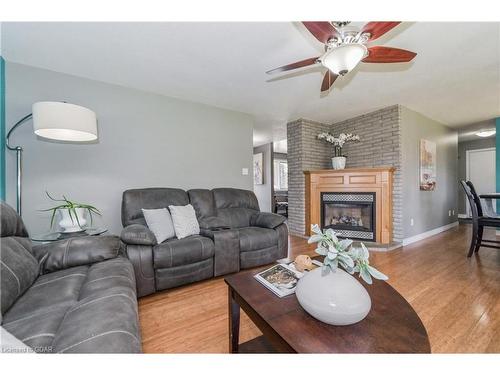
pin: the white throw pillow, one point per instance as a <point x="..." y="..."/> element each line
<point x="160" y="223"/>
<point x="185" y="222"/>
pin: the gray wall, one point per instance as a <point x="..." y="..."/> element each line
<point x="462" y="148"/>
<point x="264" y="192"/>
<point x="429" y="209"/>
<point x="145" y="140"/>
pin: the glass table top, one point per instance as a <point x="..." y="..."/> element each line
<point x="56" y="236"/>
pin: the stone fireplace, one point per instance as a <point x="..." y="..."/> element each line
<point x="355" y="202"/>
<point x="380" y="146"/>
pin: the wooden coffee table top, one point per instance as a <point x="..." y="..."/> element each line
<point x="392" y="326"/>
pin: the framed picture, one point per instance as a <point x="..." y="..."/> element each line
<point x="258" y="169"/>
<point x="427" y="165"/>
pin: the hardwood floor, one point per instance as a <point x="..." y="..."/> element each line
<point x="457" y="298"/>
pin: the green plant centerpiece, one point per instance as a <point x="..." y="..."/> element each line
<point x="72" y="214"/>
<point x="330" y="293"/>
<point x="342" y="253"/>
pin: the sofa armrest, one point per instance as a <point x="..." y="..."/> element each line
<point x="77" y="251"/>
<point x="137" y="234"/>
<point x="266" y="220"/>
<point x="227" y="249"/>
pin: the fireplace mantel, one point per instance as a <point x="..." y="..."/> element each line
<point x="370" y="180"/>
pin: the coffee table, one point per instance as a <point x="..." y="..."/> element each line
<point x="392" y="326"/>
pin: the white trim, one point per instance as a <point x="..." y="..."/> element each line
<point x="463" y="216"/>
<point x="429" y="233"/>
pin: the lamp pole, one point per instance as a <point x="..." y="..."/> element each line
<point x="19" y="158"/>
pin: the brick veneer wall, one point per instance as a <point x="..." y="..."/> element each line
<point x="380" y="145"/>
<point x="305" y="152"/>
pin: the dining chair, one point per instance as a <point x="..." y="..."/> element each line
<point x="478" y="220"/>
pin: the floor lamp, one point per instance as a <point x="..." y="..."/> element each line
<point x="54" y="120"/>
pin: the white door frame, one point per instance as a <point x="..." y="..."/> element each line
<point x="467" y="153"/>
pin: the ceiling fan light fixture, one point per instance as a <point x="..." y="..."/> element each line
<point x="343" y="59"/>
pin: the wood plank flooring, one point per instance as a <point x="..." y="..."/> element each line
<point x="457" y="298"/>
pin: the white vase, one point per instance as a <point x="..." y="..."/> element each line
<point x="69" y="223"/>
<point x="338" y="162"/>
<point x="335" y="298"/>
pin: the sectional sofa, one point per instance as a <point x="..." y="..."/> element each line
<point x="70" y="296"/>
<point x="234" y="235"/>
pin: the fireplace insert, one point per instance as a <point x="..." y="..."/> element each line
<point x="349" y="214"/>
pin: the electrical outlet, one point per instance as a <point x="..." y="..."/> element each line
<point x="244" y="171"/>
<point x="411" y="221"/>
<point x="449" y="212"/>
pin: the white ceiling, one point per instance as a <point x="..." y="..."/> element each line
<point x="454" y="78"/>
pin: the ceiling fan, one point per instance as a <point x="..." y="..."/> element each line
<point x="345" y="47"/>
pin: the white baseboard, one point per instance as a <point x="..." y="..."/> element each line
<point x="429" y="233"/>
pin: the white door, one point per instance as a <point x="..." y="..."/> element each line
<point x="480" y="170"/>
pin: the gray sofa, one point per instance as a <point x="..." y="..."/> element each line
<point x="71" y="296"/>
<point x="234" y="235"/>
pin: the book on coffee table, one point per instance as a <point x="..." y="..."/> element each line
<point x="281" y="279"/>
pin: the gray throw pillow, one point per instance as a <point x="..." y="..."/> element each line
<point x="160" y="223"/>
<point x="185" y="222"/>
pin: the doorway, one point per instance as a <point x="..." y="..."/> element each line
<point x="480" y="169"/>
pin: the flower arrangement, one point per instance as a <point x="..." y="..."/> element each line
<point x="338" y="142"/>
<point x="342" y="253"/>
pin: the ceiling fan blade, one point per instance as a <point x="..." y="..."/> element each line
<point x="379" y="54"/>
<point x="377" y="29"/>
<point x="321" y="30"/>
<point x="328" y="80"/>
<point x="295" y="65"/>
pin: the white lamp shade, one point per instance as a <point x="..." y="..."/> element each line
<point x="64" y="122"/>
<point x="343" y="59"/>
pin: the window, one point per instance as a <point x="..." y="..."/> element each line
<point x="280" y="174"/>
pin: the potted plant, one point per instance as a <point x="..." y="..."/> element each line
<point x="72" y="214"/>
<point x="338" y="160"/>
<point x="331" y="294"/>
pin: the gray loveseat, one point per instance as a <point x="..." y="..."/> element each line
<point x="71" y="296"/>
<point x="234" y="235"/>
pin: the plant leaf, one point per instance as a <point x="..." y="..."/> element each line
<point x="376" y="273"/>
<point x="321" y="251"/>
<point x="366" y="253"/>
<point x="315" y="238"/>
<point x="316" y="229"/>
<point x="344" y="244"/>
<point x="365" y="275"/>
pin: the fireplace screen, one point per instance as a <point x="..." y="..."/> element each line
<point x="349" y="214"/>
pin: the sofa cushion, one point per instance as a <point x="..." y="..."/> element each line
<point x="135" y="200"/>
<point x="255" y="238"/>
<point x="235" y="206"/>
<point x="18" y="270"/>
<point x="174" y="252"/>
<point x="49" y="291"/>
<point x="235" y="198"/>
<point x="104" y="320"/>
<point x="203" y="202"/>
<point x="12" y="224"/>
<point x="80" y="309"/>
